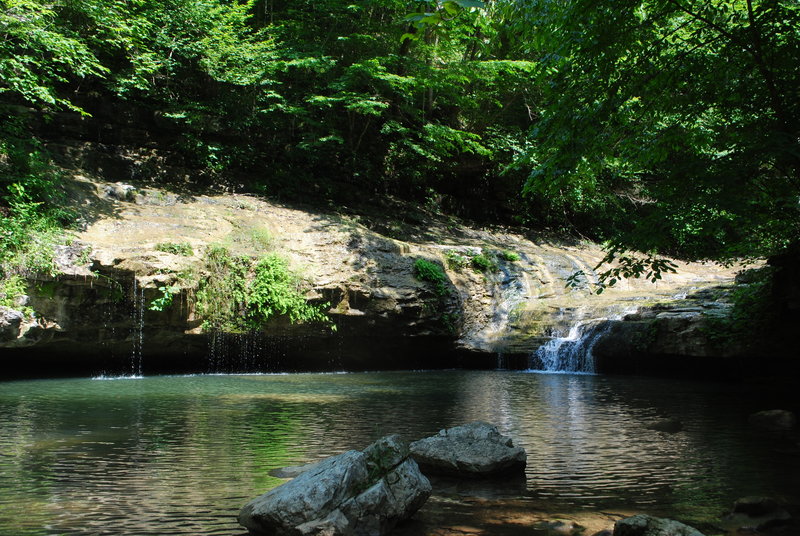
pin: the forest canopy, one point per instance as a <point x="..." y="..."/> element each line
<point x="668" y="127"/>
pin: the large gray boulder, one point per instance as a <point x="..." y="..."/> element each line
<point x="644" y="525"/>
<point x="355" y="493"/>
<point x="474" y="450"/>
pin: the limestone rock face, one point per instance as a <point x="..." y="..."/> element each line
<point x="644" y="525"/>
<point x="353" y="493"/>
<point x="19" y="331"/>
<point x="476" y="449"/>
<point x="10" y="321"/>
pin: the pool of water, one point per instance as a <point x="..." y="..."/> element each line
<point x="181" y="455"/>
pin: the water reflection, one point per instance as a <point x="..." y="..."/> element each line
<point x="180" y="455"/>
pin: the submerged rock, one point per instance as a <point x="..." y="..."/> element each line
<point x="560" y="527"/>
<point x="292" y="471"/>
<point x="475" y="450"/>
<point x="776" y="420"/>
<point x="10" y="321"/>
<point x="761" y="514"/>
<point x="669" y="426"/>
<point x="755" y="506"/>
<point x="644" y="525"/>
<point x="356" y="492"/>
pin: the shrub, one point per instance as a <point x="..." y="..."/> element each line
<point x="275" y="291"/>
<point x="182" y="248"/>
<point x="432" y="272"/>
<point x="510" y="256"/>
<point x="163" y="302"/>
<point x="11" y="289"/>
<point x="240" y="294"/>
<point x="484" y="262"/>
<point x="455" y="260"/>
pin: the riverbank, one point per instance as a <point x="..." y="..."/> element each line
<point x="127" y="288"/>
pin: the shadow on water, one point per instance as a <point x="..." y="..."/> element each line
<point x="182" y="454"/>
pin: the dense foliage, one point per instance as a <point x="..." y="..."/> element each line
<point x="685" y="115"/>
<point x="661" y="126"/>
<point x="239" y="294"/>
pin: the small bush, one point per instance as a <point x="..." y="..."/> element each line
<point x="32" y="212"/>
<point x="485" y="263"/>
<point x="432" y="272"/>
<point x="455" y="260"/>
<point x="240" y="294"/>
<point x="753" y="313"/>
<point x="11" y="289"/>
<point x="182" y="248"/>
<point x="163" y="302"/>
<point x="275" y="291"/>
<point x="509" y="256"/>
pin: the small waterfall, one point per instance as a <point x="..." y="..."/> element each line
<point x="572" y="353"/>
<point x="137" y="333"/>
<point x="237" y="353"/>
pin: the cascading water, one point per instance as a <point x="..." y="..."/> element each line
<point x="235" y="353"/>
<point x="572" y="353"/>
<point x="137" y="334"/>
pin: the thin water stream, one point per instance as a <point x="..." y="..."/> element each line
<point x="181" y="455"/>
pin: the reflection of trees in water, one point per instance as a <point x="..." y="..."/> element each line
<point x="183" y="454"/>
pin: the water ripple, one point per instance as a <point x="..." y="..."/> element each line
<point x="181" y="455"/>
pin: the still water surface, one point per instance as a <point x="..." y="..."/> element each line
<point x="181" y="455"/>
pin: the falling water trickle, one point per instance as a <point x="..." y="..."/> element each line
<point x="138" y="329"/>
<point x="573" y="353"/>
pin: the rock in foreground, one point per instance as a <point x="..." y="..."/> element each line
<point x="644" y="525"/>
<point x="353" y="493"/>
<point x="474" y="450"/>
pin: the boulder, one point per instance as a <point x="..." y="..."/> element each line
<point x="756" y="514"/>
<point x="10" y="321"/>
<point x="669" y="426"/>
<point x="474" y="450"/>
<point x="776" y="420"/>
<point x="755" y="506"/>
<point x="353" y="493"/>
<point x="560" y="527"/>
<point x="644" y="525"/>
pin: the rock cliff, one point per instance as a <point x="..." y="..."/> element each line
<point x="360" y="263"/>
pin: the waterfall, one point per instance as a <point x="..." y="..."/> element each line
<point x="572" y="353"/>
<point x="237" y="353"/>
<point x="137" y="333"/>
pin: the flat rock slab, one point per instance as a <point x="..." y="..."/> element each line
<point x="644" y="525"/>
<point x="472" y="450"/>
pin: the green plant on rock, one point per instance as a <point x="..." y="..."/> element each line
<point x="752" y="313"/>
<point x="220" y="295"/>
<point x="32" y="213"/>
<point x="484" y="263"/>
<point x="432" y="272"/>
<point x="164" y="301"/>
<point x="241" y="294"/>
<point x="176" y="248"/>
<point x="275" y="291"/>
<point x="455" y="260"/>
<point x="509" y="256"/>
<point x="11" y="289"/>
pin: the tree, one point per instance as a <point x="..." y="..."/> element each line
<point x="680" y="117"/>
